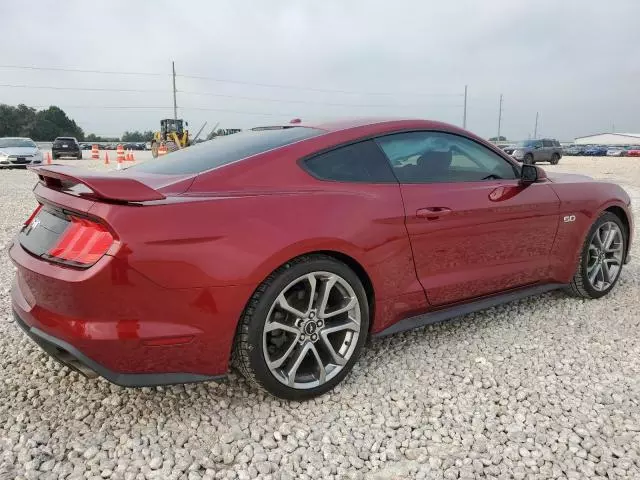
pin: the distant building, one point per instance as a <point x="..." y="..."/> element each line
<point x="610" y="139"/>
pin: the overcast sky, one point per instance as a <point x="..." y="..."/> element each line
<point x="575" y="62"/>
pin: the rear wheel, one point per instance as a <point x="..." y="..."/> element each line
<point x="79" y="156"/>
<point x="601" y="258"/>
<point x="303" y="329"/>
<point x="528" y="159"/>
<point x="555" y="159"/>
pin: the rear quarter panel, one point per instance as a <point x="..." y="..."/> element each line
<point x="235" y="227"/>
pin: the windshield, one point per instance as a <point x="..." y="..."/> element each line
<point x="17" y="142"/>
<point x="226" y="149"/>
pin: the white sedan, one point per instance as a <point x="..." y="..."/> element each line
<point x="19" y="152"/>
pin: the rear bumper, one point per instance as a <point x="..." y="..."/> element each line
<point x="113" y="321"/>
<point x="64" y="152"/>
<point x="70" y="356"/>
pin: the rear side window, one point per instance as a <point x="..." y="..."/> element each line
<point x="224" y="150"/>
<point x="547" y="143"/>
<point x="359" y="162"/>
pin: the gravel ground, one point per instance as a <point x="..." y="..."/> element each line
<point x="547" y="387"/>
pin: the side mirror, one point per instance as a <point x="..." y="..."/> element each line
<point x="530" y="174"/>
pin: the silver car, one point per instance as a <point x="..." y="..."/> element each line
<point x="19" y="152"/>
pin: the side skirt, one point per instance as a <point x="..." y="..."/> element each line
<point x="465" y="308"/>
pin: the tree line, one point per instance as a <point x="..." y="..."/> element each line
<point x="47" y="124"/>
<point x="39" y="125"/>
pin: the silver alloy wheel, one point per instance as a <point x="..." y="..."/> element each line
<point x="311" y="330"/>
<point x="605" y="254"/>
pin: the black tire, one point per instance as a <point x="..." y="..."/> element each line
<point x="580" y="285"/>
<point x="248" y="355"/>
<point x="54" y="156"/>
<point x="79" y="156"/>
<point x="171" y="146"/>
<point x="528" y="159"/>
<point x="555" y="158"/>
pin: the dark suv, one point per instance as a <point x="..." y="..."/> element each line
<point x="532" y="151"/>
<point x="66" y="147"/>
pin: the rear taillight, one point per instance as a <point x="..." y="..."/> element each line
<point x="33" y="215"/>
<point x="83" y="242"/>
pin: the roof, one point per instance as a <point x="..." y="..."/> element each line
<point x="348" y="123"/>
<point x="632" y="135"/>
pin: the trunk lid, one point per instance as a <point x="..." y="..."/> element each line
<point x="69" y="228"/>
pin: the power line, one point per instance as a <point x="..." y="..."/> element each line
<point x="333" y="104"/>
<point x="170" y="107"/>
<point x="220" y="95"/>
<point x="79" y="70"/>
<point x="88" y="89"/>
<point x="221" y="80"/>
<point x="312" y="89"/>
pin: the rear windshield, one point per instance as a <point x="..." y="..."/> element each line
<point x="65" y="139"/>
<point x="225" y="149"/>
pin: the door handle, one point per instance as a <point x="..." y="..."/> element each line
<point x="432" y="213"/>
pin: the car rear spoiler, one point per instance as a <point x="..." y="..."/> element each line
<point x="103" y="187"/>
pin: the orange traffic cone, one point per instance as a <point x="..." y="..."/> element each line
<point x="48" y="158"/>
<point x="133" y="158"/>
<point x="119" y="163"/>
<point x="106" y="158"/>
<point x="127" y="157"/>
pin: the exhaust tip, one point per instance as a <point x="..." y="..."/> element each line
<point x="75" y="364"/>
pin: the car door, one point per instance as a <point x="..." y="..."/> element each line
<point x="474" y="229"/>
<point x="547" y="150"/>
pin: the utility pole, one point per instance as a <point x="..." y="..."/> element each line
<point x="499" y="117"/>
<point x="535" y="129"/>
<point x="175" y="103"/>
<point x="464" y="116"/>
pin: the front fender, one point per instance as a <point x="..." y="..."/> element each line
<point x="582" y="202"/>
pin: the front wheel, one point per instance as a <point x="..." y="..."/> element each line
<point x="303" y="329"/>
<point x="601" y="258"/>
<point x="528" y="159"/>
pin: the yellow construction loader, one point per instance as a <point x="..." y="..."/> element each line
<point x="172" y="135"/>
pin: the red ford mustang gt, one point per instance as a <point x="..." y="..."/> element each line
<point x="280" y="250"/>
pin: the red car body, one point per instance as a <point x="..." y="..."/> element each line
<point x="163" y="303"/>
<point x="633" y="153"/>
